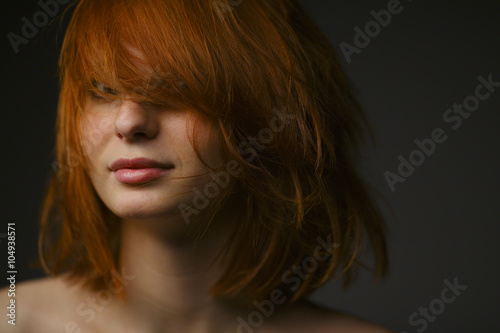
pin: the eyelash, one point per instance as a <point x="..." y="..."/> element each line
<point x="101" y="92"/>
<point x="95" y="96"/>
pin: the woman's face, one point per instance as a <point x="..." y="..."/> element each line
<point x="126" y="129"/>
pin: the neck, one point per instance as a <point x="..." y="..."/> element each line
<point x="172" y="274"/>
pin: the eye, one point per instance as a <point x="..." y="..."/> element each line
<point x="102" y="92"/>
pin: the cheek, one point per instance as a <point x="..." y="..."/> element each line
<point x="208" y="144"/>
<point x="95" y="131"/>
<point x="180" y="138"/>
<point x="213" y="156"/>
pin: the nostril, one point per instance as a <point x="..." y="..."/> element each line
<point x="136" y="135"/>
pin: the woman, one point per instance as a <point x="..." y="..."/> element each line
<point x="205" y="178"/>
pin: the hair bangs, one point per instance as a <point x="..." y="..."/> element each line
<point x="158" y="56"/>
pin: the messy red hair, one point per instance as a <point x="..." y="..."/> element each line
<point x="233" y="64"/>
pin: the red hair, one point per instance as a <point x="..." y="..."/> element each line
<point x="233" y="65"/>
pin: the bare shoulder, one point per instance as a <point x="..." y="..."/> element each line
<point x="34" y="302"/>
<point x="308" y="317"/>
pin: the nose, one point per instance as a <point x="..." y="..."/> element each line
<point x="135" y="122"/>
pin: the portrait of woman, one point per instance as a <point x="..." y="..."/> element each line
<point x="249" y="166"/>
<point x="205" y="174"/>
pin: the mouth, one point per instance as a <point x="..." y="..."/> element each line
<point x="139" y="170"/>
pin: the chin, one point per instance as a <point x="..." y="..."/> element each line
<point x="146" y="201"/>
<point x="143" y="206"/>
<point x="140" y="209"/>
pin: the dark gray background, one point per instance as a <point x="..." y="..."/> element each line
<point x="444" y="219"/>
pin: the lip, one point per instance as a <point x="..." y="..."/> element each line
<point x="139" y="170"/>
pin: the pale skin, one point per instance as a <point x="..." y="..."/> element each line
<point x="165" y="283"/>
